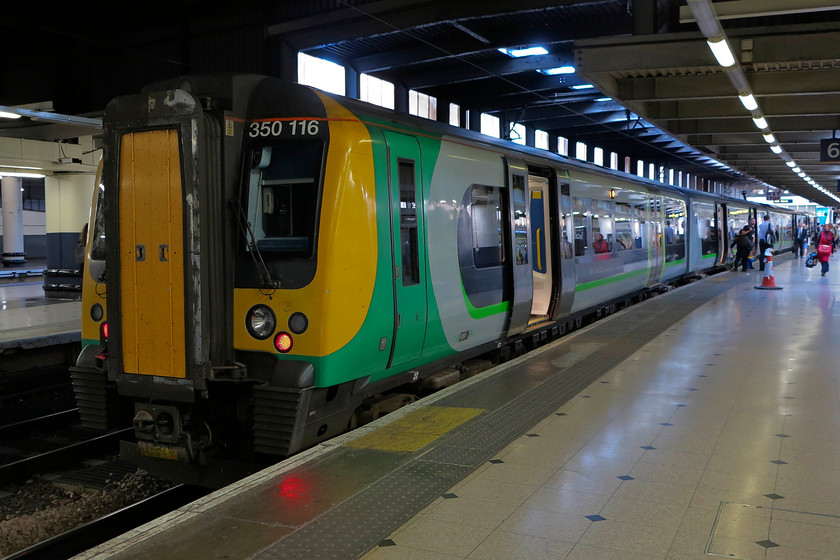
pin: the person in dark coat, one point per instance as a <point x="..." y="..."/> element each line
<point x="800" y="239"/>
<point x="743" y="245"/>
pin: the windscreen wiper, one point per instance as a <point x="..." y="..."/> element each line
<point x="265" y="279"/>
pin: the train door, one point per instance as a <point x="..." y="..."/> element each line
<point x="541" y="245"/>
<point x="656" y="254"/>
<point x="408" y="247"/>
<point x="151" y="241"/>
<point x="566" y="277"/>
<point x="521" y="274"/>
<point x="719" y="237"/>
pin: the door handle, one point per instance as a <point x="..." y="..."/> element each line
<point x="164" y="253"/>
<point x="141" y="253"/>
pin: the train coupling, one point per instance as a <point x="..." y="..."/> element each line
<point x="157" y="422"/>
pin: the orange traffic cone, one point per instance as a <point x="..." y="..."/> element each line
<point x="769" y="281"/>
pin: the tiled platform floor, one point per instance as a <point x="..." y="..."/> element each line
<point x="721" y="438"/>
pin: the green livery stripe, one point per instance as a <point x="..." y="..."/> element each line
<point x="710" y="256"/>
<point x="484" y="312"/>
<point x="674" y="263"/>
<point x="611" y="279"/>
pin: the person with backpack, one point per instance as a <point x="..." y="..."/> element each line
<point x="743" y="245"/>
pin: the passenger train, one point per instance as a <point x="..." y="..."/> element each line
<point x="270" y="265"/>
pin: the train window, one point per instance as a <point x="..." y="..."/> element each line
<point x="99" y="250"/>
<point x="640" y="240"/>
<point x="408" y="224"/>
<point x="486" y="213"/>
<point x="737" y="218"/>
<point x="580" y="214"/>
<point x="674" y="232"/>
<point x="520" y="219"/>
<point x="704" y="213"/>
<point x="602" y="232"/>
<point x="283" y="196"/>
<point x="623" y="227"/>
<point x="566" y="250"/>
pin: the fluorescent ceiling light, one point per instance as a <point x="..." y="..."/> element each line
<point x="801" y="174"/>
<point x="776" y="149"/>
<point x="558" y="70"/>
<point x="723" y="54"/>
<point x="796" y="170"/>
<point x="529" y="51"/>
<point x="583" y="86"/>
<point x="749" y="102"/>
<point x="604" y="99"/>
<point x="760" y="122"/>
<point x="26" y="175"/>
<point x="790" y="163"/>
<point x="769" y="138"/>
<point x="6" y="115"/>
<point x="21" y="167"/>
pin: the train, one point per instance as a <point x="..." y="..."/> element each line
<point x="269" y="265"/>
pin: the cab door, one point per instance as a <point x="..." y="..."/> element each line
<point x="152" y="311"/>
<point x="408" y="248"/>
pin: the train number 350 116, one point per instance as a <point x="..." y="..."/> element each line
<point x="281" y="128"/>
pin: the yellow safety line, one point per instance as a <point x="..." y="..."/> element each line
<point x="415" y="430"/>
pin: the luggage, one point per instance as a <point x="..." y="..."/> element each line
<point x="811" y="261"/>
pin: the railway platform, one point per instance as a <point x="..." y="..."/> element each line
<point x="29" y="319"/>
<point x="702" y="422"/>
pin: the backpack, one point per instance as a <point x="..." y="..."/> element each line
<point x="770" y="237"/>
<point x="811" y="261"/>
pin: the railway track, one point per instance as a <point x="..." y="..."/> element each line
<point x="50" y="442"/>
<point x="106" y="527"/>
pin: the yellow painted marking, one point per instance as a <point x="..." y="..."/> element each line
<point x="416" y="430"/>
<point x="539" y="245"/>
<point x="719" y="279"/>
<point x="158" y="452"/>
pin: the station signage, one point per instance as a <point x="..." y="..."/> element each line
<point x="830" y="150"/>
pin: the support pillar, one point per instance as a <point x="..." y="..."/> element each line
<point x="13" y="252"/>
<point x="352" y="82"/>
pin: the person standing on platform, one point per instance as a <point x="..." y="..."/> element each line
<point x="743" y="245"/>
<point x="825" y="246"/>
<point x="800" y="238"/>
<point x="766" y="238"/>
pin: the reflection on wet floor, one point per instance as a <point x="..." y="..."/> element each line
<point x="24" y="294"/>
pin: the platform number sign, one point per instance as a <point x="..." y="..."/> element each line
<point x="830" y="150"/>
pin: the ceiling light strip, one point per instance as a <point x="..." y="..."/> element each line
<point x="707" y="21"/>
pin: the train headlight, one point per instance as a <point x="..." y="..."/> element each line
<point x="298" y="323"/>
<point x="260" y="322"/>
<point x="283" y="342"/>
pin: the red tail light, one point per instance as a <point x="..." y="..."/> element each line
<point x="283" y="342"/>
<point x="105" y="331"/>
